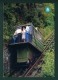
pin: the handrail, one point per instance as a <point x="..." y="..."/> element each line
<point x="37" y="40"/>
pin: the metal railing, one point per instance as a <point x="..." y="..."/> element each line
<point x="37" y="40"/>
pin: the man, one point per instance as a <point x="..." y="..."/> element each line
<point x="18" y="35"/>
<point x="27" y="33"/>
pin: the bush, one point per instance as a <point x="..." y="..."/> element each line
<point x="48" y="67"/>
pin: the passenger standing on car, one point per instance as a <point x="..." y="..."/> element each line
<point x="30" y="33"/>
<point x="19" y="35"/>
<point x="23" y="34"/>
<point x="27" y="33"/>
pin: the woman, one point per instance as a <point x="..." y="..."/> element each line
<point x="23" y="34"/>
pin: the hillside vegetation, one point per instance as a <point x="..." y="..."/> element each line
<point x="35" y="13"/>
<point x="21" y="13"/>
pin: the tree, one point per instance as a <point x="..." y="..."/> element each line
<point x="25" y="13"/>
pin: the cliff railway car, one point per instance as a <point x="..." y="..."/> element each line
<point x="24" y="53"/>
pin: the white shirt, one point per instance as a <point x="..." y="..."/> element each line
<point x="27" y="28"/>
<point x="18" y="31"/>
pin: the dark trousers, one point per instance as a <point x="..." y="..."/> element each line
<point x="15" y="39"/>
<point x="19" y="38"/>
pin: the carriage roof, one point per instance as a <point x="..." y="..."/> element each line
<point x="20" y="26"/>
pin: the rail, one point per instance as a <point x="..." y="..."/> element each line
<point x="50" y="40"/>
<point x="46" y="47"/>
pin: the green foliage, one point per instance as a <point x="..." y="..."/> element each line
<point x="5" y="30"/>
<point x="49" y="66"/>
<point x="47" y="32"/>
<point x="25" y="13"/>
<point x="49" y="17"/>
<point x="8" y="31"/>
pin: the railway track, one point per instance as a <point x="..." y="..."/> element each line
<point x="31" y="68"/>
<point x="47" y="44"/>
<point x="28" y="71"/>
<point x="17" y="72"/>
<point x="38" y="70"/>
<point x="22" y="72"/>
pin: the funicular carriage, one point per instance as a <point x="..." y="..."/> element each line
<point x="24" y="53"/>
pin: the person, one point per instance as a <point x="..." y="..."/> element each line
<point x="30" y="33"/>
<point x="28" y="61"/>
<point x="23" y="34"/>
<point x="27" y="33"/>
<point x="18" y="35"/>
